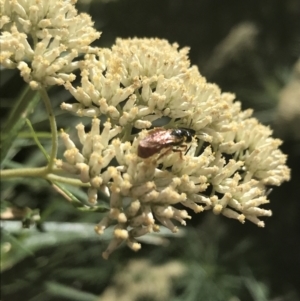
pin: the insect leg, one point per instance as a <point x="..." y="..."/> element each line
<point x="182" y="148"/>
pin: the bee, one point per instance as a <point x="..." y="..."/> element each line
<point x="160" y="138"/>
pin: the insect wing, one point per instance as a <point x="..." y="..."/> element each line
<point x="156" y="140"/>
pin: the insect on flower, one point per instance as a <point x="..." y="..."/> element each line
<point x="161" y="138"/>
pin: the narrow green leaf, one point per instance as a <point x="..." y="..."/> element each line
<point x="17" y="118"/>
<point x="64" y="291"/>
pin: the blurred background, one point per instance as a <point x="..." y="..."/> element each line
<point x="250" y="48"/>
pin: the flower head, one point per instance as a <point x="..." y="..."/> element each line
<point x="42" y="39"/>
<point x="227" y="167"/>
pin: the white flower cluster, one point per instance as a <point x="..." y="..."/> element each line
<point x="137" y="82"/>
<point x="42" y="38"/>
<point x="228" y="166"/>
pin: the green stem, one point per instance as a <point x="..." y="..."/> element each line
<point x="127" y="133"/>
<point x="53" y="127"/>
<point x="37" y="140"/>
<point x="24" y="172"/>
<point x="39" y="172"/>
<point x="74" y="182"/>
<point x="39" y="135"/>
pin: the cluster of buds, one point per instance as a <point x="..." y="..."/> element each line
<point x="43" y="38"/>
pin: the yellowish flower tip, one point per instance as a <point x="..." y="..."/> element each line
<point x="134" y="245"/>
<point x="99" y="230"/>
<point x="105" y="255"/>
<point x="217" y="209"/>
<point x="221" y="159"/>
<point x="121" y="233"/>
<point x="58" y="163"/>
<point x="156" y="228"/>
<point x="241" y="218"/>
<point x="92" y="200"/>
<point x="122" y="218"/>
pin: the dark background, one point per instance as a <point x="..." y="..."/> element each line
<point x="247" y="47"/>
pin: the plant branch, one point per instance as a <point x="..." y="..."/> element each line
<point x="53" y="127"/>
<point x="37" y="140"/>
<point x="41" y="172"/>
<point x="24" y="172"/>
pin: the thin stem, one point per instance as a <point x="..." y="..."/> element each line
<point x="23" y="172"/>
<point x="53" y="127"/>
<point x="75" y="182"/>
<point x="39" y="135"/>
<point x="127" y="133"/>
<point x="37" y="140"/>
<point x="39" y="172"/>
